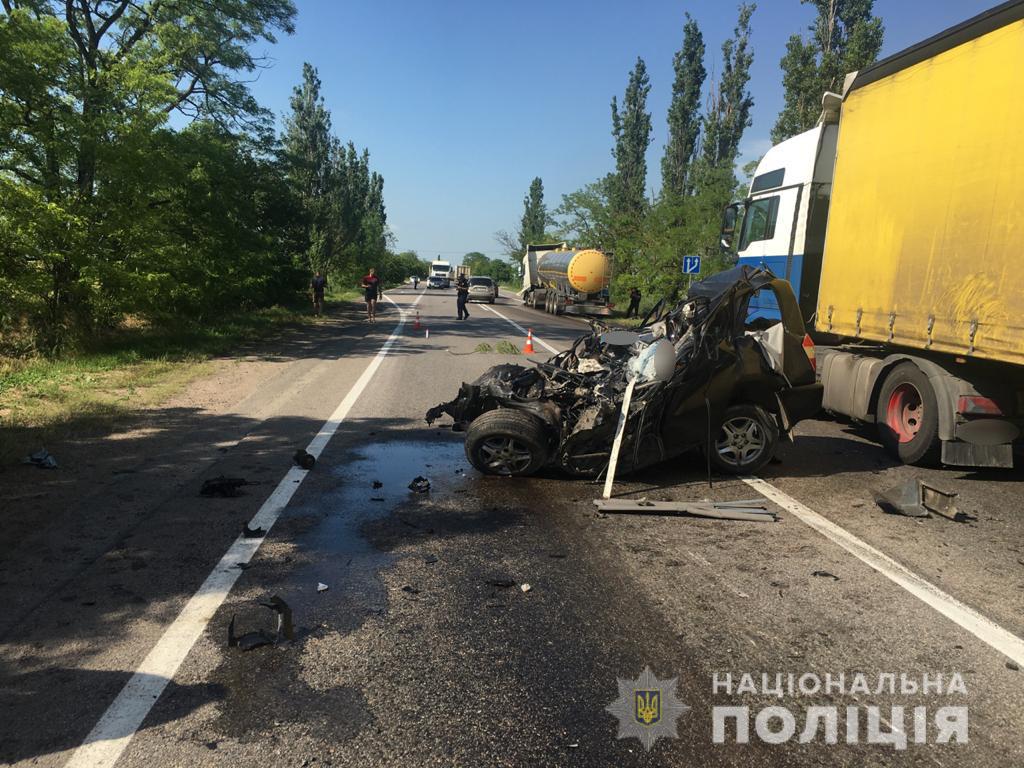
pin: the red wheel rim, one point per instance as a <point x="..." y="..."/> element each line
<point x="905" y="412"/>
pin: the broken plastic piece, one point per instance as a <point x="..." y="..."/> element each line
<point x="378" y="484"/>
<point x="41" y="459"/>
<point x="261" y="637"/>
<point x="825" y="575"/>
<point x="304" y="459"/>
<point x="321" y="587"/>
<point x="419" y="485"/>
<point x="252" y="533"/>
<point x="525" y="587"/>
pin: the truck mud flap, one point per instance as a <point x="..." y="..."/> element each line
<point x="959" y="454"/>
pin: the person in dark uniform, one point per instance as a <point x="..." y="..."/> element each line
<point x="316" y="291"/>
<point x="371" y="291"/>
<point x="634" y="302"/>
<point x="462" y="296"/>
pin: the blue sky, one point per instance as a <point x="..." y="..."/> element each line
<point x="462" y="103"/>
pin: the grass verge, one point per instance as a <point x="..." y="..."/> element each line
<point x="40" y="398"/>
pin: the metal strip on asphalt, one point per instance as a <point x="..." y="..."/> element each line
<point x="522" y="330"/>
<point x="115" y="729"/>
<point x="981" y="627"/>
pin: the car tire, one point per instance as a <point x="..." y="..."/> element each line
<point x="746" y="440"/>
<point x="491" y="301"/>
<point x="507" y="442"/>
<point x="907" y="416"/>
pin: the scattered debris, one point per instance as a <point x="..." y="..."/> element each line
<point x="501" y="581"/>
<point x="377" y="498"/>
<point x="243" y="566"/>
<point x="41" y="459"/>
<point x="253" y="533"/>
<point x="525" y="587"/>
<point x="430" y="559"/>
<point x="825" y="575"/>
<point x="755" y="511"/>
<point x="304" y="459"/>
<point x="557" y="555"/>
<point x="410" y="589"/>
<point x="419" y="484"/>
<point x="915" y="498"/>
<point x="321" y="587"/>
<point x="261" y="637"/>
<point x="224" y="487"/>
<point x="377" y="484"/>
<point x="1013" y="666"/>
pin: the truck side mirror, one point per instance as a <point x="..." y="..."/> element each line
<point x="732" y="214"/>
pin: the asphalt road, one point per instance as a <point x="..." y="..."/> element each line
<point x="424" y="648"/>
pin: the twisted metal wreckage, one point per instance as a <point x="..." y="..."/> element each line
<point x="701" y="375"/>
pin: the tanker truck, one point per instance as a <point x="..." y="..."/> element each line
<point x="561" y="280"/>
<point x="898" y="220"/>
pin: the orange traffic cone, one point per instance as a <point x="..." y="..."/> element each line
<point x="528" y="349"/>
<point x="416" y="327"/>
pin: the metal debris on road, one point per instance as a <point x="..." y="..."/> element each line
<point x="721" y="510"/>
<point x="321" y="587"/>
<point x="252" y="533"/>
<point x="825" y="575"/>
<point x="304" y="459"/>
<point x="224" y="487"/>
<point x="42" y="459"/>
<point x="419" y="484"/>
<point x="377" y="484"/>
<point x="915" y="498"/>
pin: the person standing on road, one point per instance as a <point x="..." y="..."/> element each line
<point x="316" y="291"/>
<point x="462" y="296"/>
<point x="634" y="302"/>
<point x="415" y="282"/>
<point x="371" y="291"/>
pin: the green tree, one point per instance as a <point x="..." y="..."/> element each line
<point x="631" y="129"/>
<point x="728" y="114"/>
<point x="535" y="215"/>
<point x="845" y="37"/>
<point x="308" y="147"/>
<point x="85" y="93"/>
<point x="684" y="111"/>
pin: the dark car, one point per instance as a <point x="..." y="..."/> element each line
<point x="704" y="378"/>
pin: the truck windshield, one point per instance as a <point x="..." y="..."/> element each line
<point x="759" y="221"/>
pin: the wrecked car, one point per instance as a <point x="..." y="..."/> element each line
<point x="702" y="377"/>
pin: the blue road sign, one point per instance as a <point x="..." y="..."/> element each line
<point x="691" y="265"/>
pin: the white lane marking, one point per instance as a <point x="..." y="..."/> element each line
<point x="522" y="330"/>
<point x="115" y="729"/>
<point x="981" y="627"/>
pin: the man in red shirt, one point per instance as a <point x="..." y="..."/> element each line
<point x="371" y="290"/>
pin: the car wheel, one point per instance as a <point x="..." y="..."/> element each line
<point x="506" y="442"/>
<point x="491" y="301"/>
<point x="907" y="415"/>
<point x="746" y="440"/>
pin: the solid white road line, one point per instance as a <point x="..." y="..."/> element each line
<point x="984" y="629"/>
<point x="522" y="330"/>
<point x="112" y="734"/>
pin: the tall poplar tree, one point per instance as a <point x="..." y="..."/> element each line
<point x="684" y="111"/>
<point x="535" y="215"/>
<point x="845" y="37"/>
<point x="631" y="128"/>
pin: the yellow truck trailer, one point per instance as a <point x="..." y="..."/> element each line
<point x="899" y="219"/>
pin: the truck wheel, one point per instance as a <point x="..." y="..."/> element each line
<point x="907" y="415"/>
<point x="506" y="442"/>
<point x="746" y="440"/>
